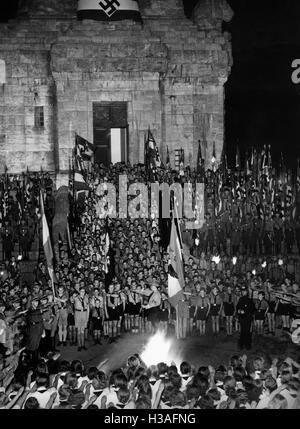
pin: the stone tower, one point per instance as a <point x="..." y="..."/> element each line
<point x="168" y="72"/>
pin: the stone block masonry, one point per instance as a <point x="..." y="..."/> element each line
<point x="169" y="70"/>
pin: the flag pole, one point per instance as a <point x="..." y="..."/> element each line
<point x="177" y="322"/>
<point x="177" y="316"/>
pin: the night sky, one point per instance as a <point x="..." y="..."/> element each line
<point x="262" y="104"/>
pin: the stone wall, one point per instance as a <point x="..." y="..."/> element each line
<point x="170" y="71"/>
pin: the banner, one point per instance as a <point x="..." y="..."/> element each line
<point x="108" y="10"/>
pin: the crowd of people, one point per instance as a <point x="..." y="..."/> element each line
<point x="113" y="279"/>
<point x="19" y="205"/>
<point x="260" y="383"/>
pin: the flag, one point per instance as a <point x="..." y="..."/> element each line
<point x="106" y="252"/>
<point x="200" y="162"/>
<point x="108" y="10"/>
<point x="181" y="162"/>
<point x="168" y="158"/>
<point x="155" y="159"/>
<point x="264" y="161"/>
<point x="214" y="159"/>
<point x="176" y="272"/>
<point x="84" y="149"/>
<point x="46" y="240"/>
<point x="80" y="185"/>
<point x="152" y="157"/>
<point x="247" y="166"/>
<point x="269" y="158"/>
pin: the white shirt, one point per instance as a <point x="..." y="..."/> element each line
<point x="184" y="383"/>
<point x="154" y="388"/>
<point x="264" y="400"/>
<point x="42" y="395"/>
<point x="111" y="396"/>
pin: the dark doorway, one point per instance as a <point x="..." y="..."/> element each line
<point x="110" y="132"/>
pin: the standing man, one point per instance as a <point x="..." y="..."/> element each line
<point x="35" y="328"/>
<point x="81" y="304"/>
<point x="153" y="307"/>
<point x="245" y="310"/>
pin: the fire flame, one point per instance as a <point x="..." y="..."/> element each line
<point x="161" y="348"/>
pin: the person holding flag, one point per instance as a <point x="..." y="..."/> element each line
<point x="168" y="164"/>
<point x="152" y="157"/>
<point x="47" y="243"/>
<point x="176" y="278"/>
<point x="200" y="164"/>
<point x="153" y="307"/>
<point x="83" y="149"/>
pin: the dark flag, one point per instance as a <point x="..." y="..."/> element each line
<point x="83" y="148"/>
<point x="200" y="162"/>
<point x="269" y="158"/>
<point x="153" y="160"/>
<point x="109" y="10"/>
<point x="168" y="158"/>
<point x="181" y="162"/>
<point x="80" y="185"/>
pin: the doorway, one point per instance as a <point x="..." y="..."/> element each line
<point x="110" y="132"/>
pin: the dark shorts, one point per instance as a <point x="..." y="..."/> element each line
<point x="272" y="305"/>
<point x="71" y="319"/>
<point x="112" y="313"/>
<point x="164" y="315"/>
<point x="201" y="313"/>
<point x="154" y="314"/>
<point x="97" y="323"/>
<point x="284" y="309"/>
<point x="120" y="310"/>
<point x="228" y="309"/>
<point x="260" y="315"/>
<point x="214" y="309"/>
<point x="135" y="309"/>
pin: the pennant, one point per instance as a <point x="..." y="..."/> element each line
<point x="109" y="10"/>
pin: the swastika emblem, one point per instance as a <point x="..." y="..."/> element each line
<point x="109" y="6"/>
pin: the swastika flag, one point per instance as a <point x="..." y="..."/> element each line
<point x="108" y="10"/>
